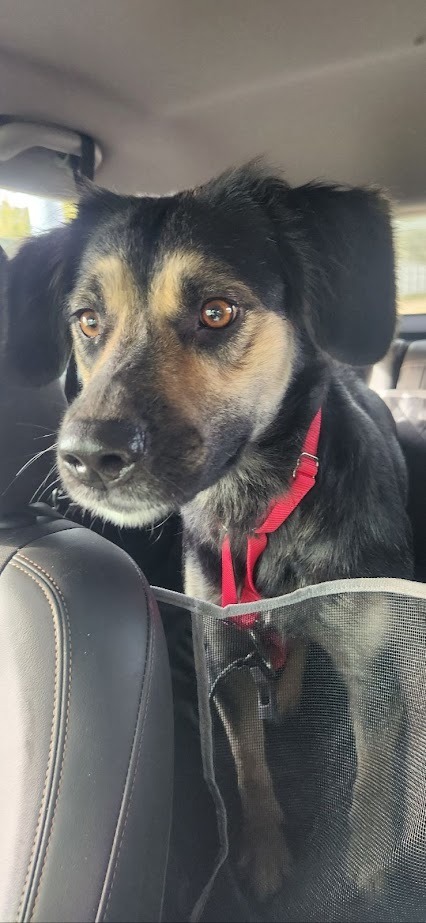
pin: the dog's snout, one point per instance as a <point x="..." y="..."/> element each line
<point x="95" y="467"/>
<point x="99" y="454"/>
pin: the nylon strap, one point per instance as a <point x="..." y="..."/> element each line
<point x="304" y="476"/>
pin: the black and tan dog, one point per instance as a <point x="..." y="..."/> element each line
<point x="203" y="326"/>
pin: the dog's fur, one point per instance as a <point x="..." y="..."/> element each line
<point x="225" y="412"/>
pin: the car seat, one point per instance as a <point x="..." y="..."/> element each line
<point x="86" y="717"/>
<point x="400" y="379"/>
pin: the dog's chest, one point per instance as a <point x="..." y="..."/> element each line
<point x="296" y="555"/>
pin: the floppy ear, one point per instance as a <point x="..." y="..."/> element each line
<point x="336" y="252"/>
<point x="348" y="270"/>
<point x="37" y="342"/>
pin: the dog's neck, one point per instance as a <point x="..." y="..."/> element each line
<point x="239" y="500"/>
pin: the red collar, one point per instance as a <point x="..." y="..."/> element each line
<point x="304" y="476"/>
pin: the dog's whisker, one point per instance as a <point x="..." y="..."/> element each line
<point x="157" y="538"/>
<point x="92" y="521"/>
<point x="40" y="487"/>
<point x="160" y="526"/>
<point x="71" y="506"/>
<point x="31" y="461"/>
<point x="49" y="487"/>
<point x="49" y="432"/>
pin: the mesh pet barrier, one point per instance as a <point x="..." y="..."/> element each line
<point x="343" y="763"/>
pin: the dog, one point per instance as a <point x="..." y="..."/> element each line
<point x="209" y="328"/>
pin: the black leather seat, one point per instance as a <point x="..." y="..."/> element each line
<point x="86" y="719"/>
<point x="401" y="381"/>
<point x="86" y="731"/>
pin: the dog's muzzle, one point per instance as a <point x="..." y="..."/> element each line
<point x="101" y="454"/>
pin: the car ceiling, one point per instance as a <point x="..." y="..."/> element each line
<point x="175" y="90"/>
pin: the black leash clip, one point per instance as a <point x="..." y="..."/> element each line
<point x="266" y="692"/>
<point x="262" y="663"/>
<point x="265" y="676"/>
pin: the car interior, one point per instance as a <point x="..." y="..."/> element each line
<point x="106" y="808"/>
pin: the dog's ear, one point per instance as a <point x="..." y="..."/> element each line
<point x="348" y="270"/>
<point x="336" y="252"/>
<point x="37" y="341"/>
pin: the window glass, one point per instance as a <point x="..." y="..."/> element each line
<point x="23" y="215"/>
<point x="410" y="242"/>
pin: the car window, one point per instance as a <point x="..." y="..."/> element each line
<point x="23" y="215"/>
<point x="410" y="241"/>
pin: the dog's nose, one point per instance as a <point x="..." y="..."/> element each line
<point x="101" y="453"/>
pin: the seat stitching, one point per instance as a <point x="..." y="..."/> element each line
<point x="151" y="671"/>
<point x="53" y="582"/>
<point x="152" y="652"/>
<point x="55" y="704"/>
<point x="49" y="577"/>
<point x="145" y="587"/>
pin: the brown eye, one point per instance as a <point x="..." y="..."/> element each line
<point x="217" y="313"/>
<point x="89" y="323"/>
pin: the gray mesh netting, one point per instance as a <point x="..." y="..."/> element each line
<point x="346" y="759"/>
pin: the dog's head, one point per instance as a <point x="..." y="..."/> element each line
<point x="186" y="314"/>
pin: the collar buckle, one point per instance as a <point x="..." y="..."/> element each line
<point x="306" y="464"/>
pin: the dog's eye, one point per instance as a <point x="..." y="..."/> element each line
<point x="218" y="313"/>
<point x="90" y="323"/>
